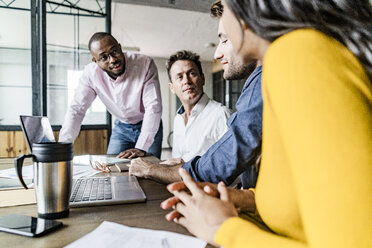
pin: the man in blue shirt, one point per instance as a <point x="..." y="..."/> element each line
<point x="236" y="152"/>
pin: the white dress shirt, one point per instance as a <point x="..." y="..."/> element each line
<point x="132" y="97"/>
<point x="206" y="124"/>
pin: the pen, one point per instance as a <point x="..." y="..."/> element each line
<point x="164" y="243"/>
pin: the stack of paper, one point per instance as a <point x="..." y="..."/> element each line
<point x="112" y="235"/>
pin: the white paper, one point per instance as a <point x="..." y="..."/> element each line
<point x="28" y="173"/>
<point x="112" y="235"/>
<point x="85" y="159"/>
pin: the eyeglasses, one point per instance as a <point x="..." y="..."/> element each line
<point x="116" y="52"/>
<point x="103" y="167"/>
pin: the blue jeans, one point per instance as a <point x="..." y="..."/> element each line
<point x="124" y="136"/>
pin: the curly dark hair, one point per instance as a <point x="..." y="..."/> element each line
<point x="183" y="55"/>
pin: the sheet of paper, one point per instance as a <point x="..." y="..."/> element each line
<point x="112" y="235"/>
<point x="27" y="172"/>
<point x="84" y="159"/>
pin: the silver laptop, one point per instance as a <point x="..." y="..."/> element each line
<point x="37" y="129"/>
<point x="90" y="191"/>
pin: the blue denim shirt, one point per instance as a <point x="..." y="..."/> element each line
<point x="235" y="153"/>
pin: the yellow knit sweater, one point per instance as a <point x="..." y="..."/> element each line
<point x="315" y="182"/>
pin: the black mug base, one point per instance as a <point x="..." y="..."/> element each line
<point x="59" y="215"/>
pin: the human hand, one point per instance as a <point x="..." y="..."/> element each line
<point x="131" y="153"/>
<point x="140" y="167"/>
<point x="194" y="209"/>
<point x="243" y="199"/>
<point x="171" y="202"/>
<point x="173" y="161"/>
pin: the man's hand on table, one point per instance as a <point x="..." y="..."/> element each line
<point x="140" y="167"/>
<point x="131" y="153"/>
<point x="164" y="172"/>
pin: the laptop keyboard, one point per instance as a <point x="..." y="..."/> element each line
<point x="91" y="189"/>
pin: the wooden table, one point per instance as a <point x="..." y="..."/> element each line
<point x="84" y="220"/>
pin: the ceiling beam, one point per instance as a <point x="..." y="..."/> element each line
<point x="191" y="5"/>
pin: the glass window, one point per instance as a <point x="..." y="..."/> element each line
<point x="67" y="55"/>
<point x="226" y="91"/>
<point x="15" y="63"/>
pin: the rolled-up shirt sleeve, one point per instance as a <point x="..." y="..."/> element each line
<point x="151" y="100"/>
<point x="83" y="98"/>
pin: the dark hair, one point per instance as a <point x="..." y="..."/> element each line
<point x="216" y="9"/>
<point x="348" y="21"/>
<point x="99" y="36"/>
<point x="183" y="55"/>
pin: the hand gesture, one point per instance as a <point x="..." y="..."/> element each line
<point x="194" y="208"/>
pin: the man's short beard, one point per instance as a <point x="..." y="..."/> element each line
<point x="115" y="74"/>
<point x="239" y="72"/>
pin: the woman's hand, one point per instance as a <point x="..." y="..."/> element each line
<point x="197" y="211"/>
<point x="243" y="199"/>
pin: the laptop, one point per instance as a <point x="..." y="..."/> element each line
<point x="91" y="191"/>
<point x="37" y="129"/>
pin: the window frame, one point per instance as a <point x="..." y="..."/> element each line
<point x="38" y="11"/>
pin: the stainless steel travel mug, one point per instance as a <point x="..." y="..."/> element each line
<point x="52" y="177"/>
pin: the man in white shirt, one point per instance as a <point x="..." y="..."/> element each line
<point x="200" y="121"/>
<point x="128" y="85"/>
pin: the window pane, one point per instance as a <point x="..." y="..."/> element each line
<point x="67" y="55"/>
<point x="15" y="64"/>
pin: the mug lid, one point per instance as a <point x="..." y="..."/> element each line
<point x="52" y="151"/>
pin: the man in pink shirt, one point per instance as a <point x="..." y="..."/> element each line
<point x="128" y="85"/>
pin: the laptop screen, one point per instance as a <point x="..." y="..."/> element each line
<point x="36" y="129"/>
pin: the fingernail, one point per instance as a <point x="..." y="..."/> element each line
<point x="222" y="184"/>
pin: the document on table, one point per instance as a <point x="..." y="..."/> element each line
<point x="112" y="235"/>
<point x="27" y="172"/>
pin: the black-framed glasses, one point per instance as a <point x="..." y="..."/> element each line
<point x="115" y="52"/>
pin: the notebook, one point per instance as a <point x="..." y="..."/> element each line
<point x="90" y="191"/>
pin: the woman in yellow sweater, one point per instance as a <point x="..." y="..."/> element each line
<point x="315" y="182"/>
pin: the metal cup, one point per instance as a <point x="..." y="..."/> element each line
<point x="52" y="177"/>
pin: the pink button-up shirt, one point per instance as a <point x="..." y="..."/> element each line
<point x="132" y="97"/>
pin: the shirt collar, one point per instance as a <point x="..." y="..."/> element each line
<point x="199" y="106"/>
<point x="253" y="75"/>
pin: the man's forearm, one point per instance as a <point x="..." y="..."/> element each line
<point x="164" y="173"/>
